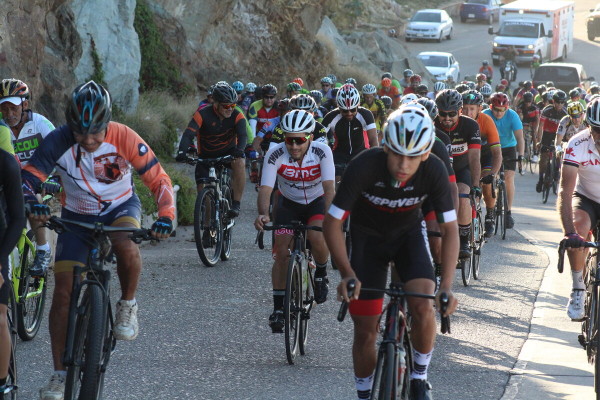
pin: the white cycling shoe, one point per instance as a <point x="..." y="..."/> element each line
<point x="575" y="309"/>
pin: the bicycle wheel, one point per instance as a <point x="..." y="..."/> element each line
<point x="500" y="209"/>
<point x="11" y="380"/>
<point x="85" y="378"/>
<point x="31" y="295"/>
<point x="385" y="373"/>
<point x="292" y="304"/>
<point x="404" y="375"/>
<point x="504" y="210"/>
<point x="207" y="227"/>
<point x="227" y="224"/>
<point x="547" y="183"/>
<point x="477" y="242"/>
<point x="595" y="337"/>
<point x="307" y="303"/>
<point x="466" y="271"/>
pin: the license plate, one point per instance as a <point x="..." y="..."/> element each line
<point x="419" y="35"/>
<point x="471" y="15"/>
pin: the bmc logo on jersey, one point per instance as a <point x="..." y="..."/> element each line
<point x="292" y="173"/>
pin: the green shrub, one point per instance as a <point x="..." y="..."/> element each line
<point x="98" y="74"/>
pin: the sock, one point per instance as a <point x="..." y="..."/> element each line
<point x="489" y="212"/>
<point x="420" y="365"/>
<point x="128" y="302"/>
<point x="464" y="230"/>
<point x="321" y="270"/>
<point x="235" y="203"/>
<point x="62" y="374"/>
<point x="363" y="386"/>
<point x="3" y="381"/>
<point x="578" y="279"/>
<point x="43" y="247"/>
<point x="278" y="296"/>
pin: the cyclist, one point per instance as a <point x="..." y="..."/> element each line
<point x="248" y="97"/>
<point x="423" y="91"/>
<point x="481" y="79"/>
<point x="575" y="95"/>
<point x="304" y="172"/>
<point x="28" y="130"/>
<point x="438" y="87"/>
<point x="405" y="81"/>
<point x="530" y="117"/>
<point x="395" y="81"/>
<point x="450" y="82"/>
<point x="578" y="200"/>
<point x="486" y="92"/>
<point x="549" y="120"/>
<point x="208" y="100"/>
<point x="509" y="54"/>
<point x="11" y="204"/>
<point x="415" y="81"/>
<point x="387" y="102"/>
<point x="219" y="130"/>
<point x="238" y="86"/>
<point x="510" y="130"/>
<point x="487" y="70"/>
<point x="263" y="110"/>
<point x="538" y="98"/>
<point x="93" y="149"/>
<point x="384" y="196"/>
<point x="527" y="88"/>
<point x="326" y="87"/>
<point x="570" y="124"/>
<point x="466" y="148"/>
<point x="374" y="105"/>
<point x="387" y="89"/>
<point x="353" y="128"/>
<point x="535" y="63"/>
<point x="293" y="89"/>
<point x="300" y="82"/>
<point x="491" y="152"/>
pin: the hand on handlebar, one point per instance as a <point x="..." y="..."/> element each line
<point x="260" y="222"/>
<point x="343" y="286"/>
<point x="451" y="304"/>
<point x="574" y="240"/>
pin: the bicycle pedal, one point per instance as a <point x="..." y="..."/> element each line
<point x="581" y="340"/>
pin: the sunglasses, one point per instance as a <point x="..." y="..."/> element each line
<point x="325" y="84"/>
<point x="445" y="114"/>
<point x="268" y="97"/>
<point x="227" y="106"/>
<point x="498" y="109"/>
<point x="296" y="140"/>
<point x="350" y="111"/>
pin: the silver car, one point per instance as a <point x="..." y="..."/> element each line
<point x="429" y="24"/>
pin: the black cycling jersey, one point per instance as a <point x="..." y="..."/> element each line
<point x="278" y="136"/>
<point x="383" y="207"/>
<point x="529" y="112"/>
<point x="440" y="149"/>
<point x="464" y="136"/>
<point x="350" y="137"/>
<point x="550" y="117"/>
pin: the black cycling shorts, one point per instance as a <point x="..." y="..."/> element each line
<point x="288" y="211"/>
<point x="371" y="255"/>
<point x="548" y="138"/>
<point x="4" y="290"/>
<point x="580" y="202"/>
<point x="486" y="160"/>
<point x="509" y="158"/>
<point x="202" y="170"/>
<point x="464" y="176"/>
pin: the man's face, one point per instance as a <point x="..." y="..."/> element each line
<point x="402" y="168"/>
<point x="595" y="131"/>
<point x="558" y="105"/>
<point x="268" y="101"/>
<point x="498" y="112"/>
<point x="471" y="110"/>
<point x="414" y="83"/>
<point x="297" y="144"/>
<point x="369" y="98"/>
<point x="90" y="142"/>
<point x="224" y="110"/>
<point x="448" y="118"/>
<point x="325" y="87"/>
<point x="12" y="113"/>
<point x="349" y="114"/>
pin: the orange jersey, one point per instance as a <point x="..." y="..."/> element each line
<point x="488" y="130"/>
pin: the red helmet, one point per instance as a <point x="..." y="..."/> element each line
<point x="504" y="82"/>
<point x="499" y="99"/>
<point x="386" y="82"/>
<point x="299" y="81"/>
<point x="415" y="78"/>
<point x="481" y="77"/>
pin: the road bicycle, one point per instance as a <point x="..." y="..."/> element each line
<point x="299" y="290"/>
<point x="590" y="326"/>
<point x="529" y="149"/>
<point x="550" y="180"/>
<point x="90" y="340"/>
<point x="501" y="208"/>
<point x="477" y="236"/>
<point x="213" y="226"/>
<point x="394" y="357"/>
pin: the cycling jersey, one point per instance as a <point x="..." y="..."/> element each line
<point x="507" y="125"/>
<point x="5" y="139"/>
<point x="96" y="183"/>
<point x="568" y="129"/>
<point x="393" y="92"/>
<point x="349" y="137"/>
<point x="300" y="183"/>
<point x="488" y="131"/>
<point x="246" y="102"/>
<point x="581" y="152"/>
<point x="377" y="108"/>
<point x="384" y="207"/>
<point x="530" y="113"/>
<point x="464" y="136"/>
<point x="550" y="117"/>
<point x="441" y="148"/>
<point x="278" y="135"/>
<point x="31" y="135"/>
<point x="258" y="115"/>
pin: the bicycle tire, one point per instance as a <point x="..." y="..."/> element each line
<point x="477" y="237"/>
<point x="499" y="210"/>
<point x="291" y="307"/>
<point x="589" y="304"/>
<point x="547" y="182"/>
<point x="595" y="339"/>
<point x="377" y="390"/>
<point x="504" y="210"/>
<point x="12" y="378"/>
<point x="545" y="193"/>
<point x="307" y="302"/>
<point x="408" y="354"/>
<point x="31" y="296"/>
<point x="209" y="233"/>
<point x="466" y="271"/>
<point x="85" y="377"/>
<point x="227" y="232"/>
<point x="390" y="371"/>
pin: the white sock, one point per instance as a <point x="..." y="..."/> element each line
<point x="128" y="302"/>
<point x="43" y="247"/>
<point x="363" y="386"/>
<point x="578" y="279"/>
<point x="420" y="365"/>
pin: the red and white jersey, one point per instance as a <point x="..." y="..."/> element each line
<point x="581" y="152"/>
<point x="300" y="183"/>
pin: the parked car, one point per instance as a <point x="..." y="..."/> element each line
<point x="565" y="76"/>
<point x="440" y="64"/>
<point x="593" y="23"/>
<point x="429" y="24"/>
<point x="481" y="10"/>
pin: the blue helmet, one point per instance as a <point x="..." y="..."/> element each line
<point x="89" y="109"/>
<point x="238" y="86"/>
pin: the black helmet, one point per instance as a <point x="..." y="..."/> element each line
<point x="269" y="90"/>
<point x="527" y="84"/>
<point x="422" y="90"/>
<point x="472" y="97"/>
<point x="527" y="97"/>
<point x="449" y="100"/>
<point x="429" y="106"/>
<point x="387" y="101"/>
<point x="89" y="110"/>
<point x="559" y="96"/>
<point x="574" y="93"/>
<point x="541" y="89"/>
<point x="386" y="75"/>
<point x="223" y="93"/>
<point x="461" y="88"/>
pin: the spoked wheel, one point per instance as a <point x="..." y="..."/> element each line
<point x="595" y="338"/>
<point x="477" y="243"/>
<point x="465" y="269"/>
<point x="11" y="381"/>
<point x="227" y="225"/>
<point x="404" y="376"/>
<point x="307" y="304"/>
<point x="207" y="227"/>
<point x="385" y="369"/>
<point x="545" y="191"/>
<point x="504" y="210"/>
<point x="32" y="296"/>
<point x="85" y="378"/>
<point x="292" y="305"/>
<point x="500" y="212"/>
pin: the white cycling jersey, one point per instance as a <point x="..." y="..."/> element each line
<point x="567" y="128"/>
<point x="581" y="152"/>
<point x="31" y="135"/>
<point x="300" y="183"/>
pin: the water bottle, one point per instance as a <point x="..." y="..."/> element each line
<point x="401" y="354"/>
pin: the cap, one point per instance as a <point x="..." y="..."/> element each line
<point x="15" y="100"/>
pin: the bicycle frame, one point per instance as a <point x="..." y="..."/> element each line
<point x="16" y="267"/>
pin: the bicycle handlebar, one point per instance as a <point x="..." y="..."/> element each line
<point x="562" y="246"/>
<point x="293" y="226"/>
<point x="59" y="225"/>
<point x="209" y="161"/>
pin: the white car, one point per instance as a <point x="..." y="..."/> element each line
<point x="429" y="24"/>
<point x="440" y="64"/>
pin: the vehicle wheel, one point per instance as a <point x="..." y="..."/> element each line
<point x="439" y="39"/>
<point x="291" y="307"/>
<point x="449" y="37"/>
<point x="591" y="36"/>
<point x="207" y="227"/>
<point x="463" y="20"/>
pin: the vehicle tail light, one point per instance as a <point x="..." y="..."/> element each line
<point x="485" y="9"/>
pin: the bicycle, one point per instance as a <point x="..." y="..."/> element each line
<point x="394" y="358"/>
<point x="213" y="227"/>
<point x="11" y="388"/>
<point x="299" y="290"/>
<point x="501" y="208"/>
<point x="590" y="326"/>
<point x="477" y="236"/>
<point x="529" y="148"/>
<point x="550" y="175"/>
<point x="90" y="341"/>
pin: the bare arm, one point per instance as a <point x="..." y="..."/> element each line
<point x="568" y="178"/>
<point x="334" y="237"/>
<point x="372" y="134"/>
<point x="475" y="166"/>
<point x="262" y="202"/>
<point x="520" y="142"/>
<point x="496" y="159"/>
<point x="329" y="189"/>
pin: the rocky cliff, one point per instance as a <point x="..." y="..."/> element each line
<point x="48" y="43"/>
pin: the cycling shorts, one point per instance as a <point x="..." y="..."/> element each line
<point x="548" y="138"/>
<point x="340" y="168"/>
<point x="486" y="160"/>
<point x="370" y="258"/>
<point x="4" y="290"/>
<point x="288" y="211"/>
<point x="464" y="176"/>
<point x="509" y="158"/>
<point x="202" y="170"/>
<point x="581" y="202"/>
<point x="72" y="250"/>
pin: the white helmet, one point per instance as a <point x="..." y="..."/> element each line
<point x="348" y="97"/>
<point x="298" y="121"/>
<point x="592" y="112"/>
<point x="408" y="98"/>
<point x="486" y="89"/>
<point x="303" y="102"/>
<point x="409" y="131"/>
<point x="439" y="86"/>
<point x="369" y="89"/>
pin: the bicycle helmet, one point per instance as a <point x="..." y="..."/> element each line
<point x="317" y="95"/>
<point x="407" y="73"/>
<point x="504" y="82"/>
<point x="299" y="81"/>
<point x="449" y="100"/>
<point x="472" y="97"/>
<point x="527" y="85"/>
<point x="298" y="121"/>
<point x="269" y="90"/>
<point x="209" y="91"/>
<point x="480" y="77"/>
<point x="422" y="90"/>
<point x="333" y="78"/>
<point x="14" y="88"/>
<point x="409" y="131"/>
<point x="527" y="97"/>
<point x="326" y="80"/>
<point x="351" y="81"/>
<point x="541" y="89"/>
<point x="387" y="101"/>
<point x="574" y="93"/>
<point x="369" y="89"/>
<point x="499" y="99"/>
<point x="415" y="78"/>
<point x="549" y="84"/>
<point x="386" y="75"/>
<point x="429" y="106"/>
<point x="485" y="63"/>
<point x="89" y="109"/>
<point x="595" y="89"/>
<point x="250" y="87"/>
<point x="439" y="86"/>
<point x="293" y="87"/>
<point x="283" y="105"/>
<point x="303" y="102"/>
<point x="575" y="108"/>
<point x="348" y="97"/>
<point x="486" y="90"/>
<point x="471" y="85"/>
<point x="223" y="93"/>
<point x="222" y="83"/>
<point x="559" y="96"/>
<point x="408" y="98"/>
<point x="592" y="113"/>
<point x="386" y="82"/>
<point x="461" y="88"/>
<point x="238" y="86"/>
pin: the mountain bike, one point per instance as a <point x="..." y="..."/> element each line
<point x="590" y="326"/>
<point x="394" y="358"/>
<point x="90" y="340"/>
<point x="501" y="208"/>
<point x="213" y="227"/>
<point x="299" y="290"/>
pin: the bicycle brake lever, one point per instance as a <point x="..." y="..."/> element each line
<point x="444" y="301"/>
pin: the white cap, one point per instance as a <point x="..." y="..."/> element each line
<point x="15" y="100"/>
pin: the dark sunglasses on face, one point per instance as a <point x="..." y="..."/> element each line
<point x="445" y="114"/>
<point x="227" y="106"/>
<point x="498" y="109"/>
<point x="268" y="97"/>
<point x="351" y="111"/>
<point x="296" y="140"/>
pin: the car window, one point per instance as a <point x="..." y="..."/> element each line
<point x="519" y="29"/>
<point x="558" y="74"/>
<point x="484" y="2"/>
<point x="427" y="17"/>
<point x="434" y="61"/>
